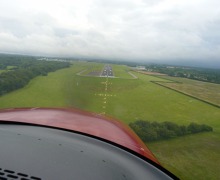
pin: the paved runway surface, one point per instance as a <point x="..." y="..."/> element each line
<point x="107" y="71"/>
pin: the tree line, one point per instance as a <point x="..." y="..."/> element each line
<point x="25" y="69"/>
<point x="153" y="131"/>
<point x="201" y="74"/>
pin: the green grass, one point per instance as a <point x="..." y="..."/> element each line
<point x="189" y="157"/>
<point x="92" y="67"/>
<point x="207" y="91"/>
<point x="8" y="68"/>
<point x="11" y="67"/>
<point x="121" y="71"/>
<point x="43" y="91"/>
<point x="81" y="94"/>
<point x="152" y="102"/>
<point x="1" y="71"/>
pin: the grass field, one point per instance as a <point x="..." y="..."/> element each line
<point x="1" y="71"/>
<point x="121" y="71"/>
<point x="92" y="68"/>
<point x="206" y="91"/>
<point x="43" y="91"/>
<point x="127" y="99"/>
<point x="9" y="68"/>
<point x="190" y="157"/>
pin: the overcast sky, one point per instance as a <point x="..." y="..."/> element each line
<point x="148" y="30"/>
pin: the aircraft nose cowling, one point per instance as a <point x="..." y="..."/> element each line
<point x="81" y="121"/>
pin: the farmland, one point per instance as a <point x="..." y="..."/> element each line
<point x="129" y="99"/>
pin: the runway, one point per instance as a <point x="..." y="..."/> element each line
<point x="107" y="71"/>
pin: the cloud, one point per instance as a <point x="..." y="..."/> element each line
<point x="122" y="29"/>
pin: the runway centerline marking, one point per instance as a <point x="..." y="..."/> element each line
<point x="105" y="95"/>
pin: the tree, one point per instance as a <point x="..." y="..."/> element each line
<point x="152" y="131"/>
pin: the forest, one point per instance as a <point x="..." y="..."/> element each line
<point x="17" y="71"/>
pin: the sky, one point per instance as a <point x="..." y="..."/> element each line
<point x="136" y="30"/>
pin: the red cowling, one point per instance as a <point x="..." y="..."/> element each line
<point x="81" y="121"/>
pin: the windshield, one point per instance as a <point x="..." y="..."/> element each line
<point x="152" y="65"/>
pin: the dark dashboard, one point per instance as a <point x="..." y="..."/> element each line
<point x="42" y="153"/>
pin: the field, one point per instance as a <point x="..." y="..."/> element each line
<point x="129" y="99"/>
<point x="190" y="157"/>
<point x="9" y="68"/>
<point x="121" y="71"/>
<point x="91" y="69"/>
<point x="205" y="91"/>
<point x="1" y="71"/>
